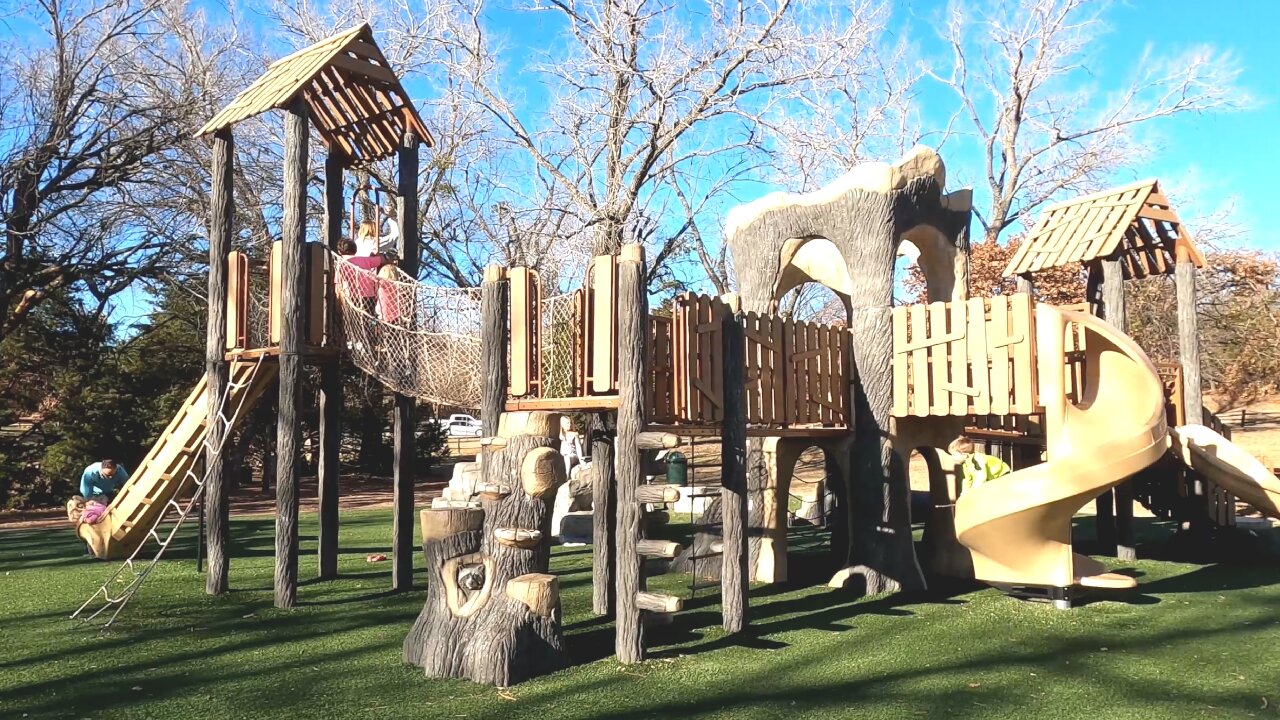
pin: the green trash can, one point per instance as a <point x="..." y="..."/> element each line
<point x="677" y="469"/>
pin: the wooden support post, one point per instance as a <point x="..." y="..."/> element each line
<point x="1114" y="312"/>
<point x="292" y="294"/>
<point x="1188" y="336"/>
<point x="328" y="471"/>
<point x="402" y="546"/>
<point x="494" y="336"/>
<point x="1024" y="284"/>
<point x="222" y="214"/>
<point x="603" y="514"/>
<point x="633" y="313"/>
<point x="733" y="476"/>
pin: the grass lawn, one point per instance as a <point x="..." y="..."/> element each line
<point x="1194" y="641"/>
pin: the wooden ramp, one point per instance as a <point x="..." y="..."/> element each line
<point x="164" y="474"/>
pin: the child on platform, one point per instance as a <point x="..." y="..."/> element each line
<point x="976" y="468"/>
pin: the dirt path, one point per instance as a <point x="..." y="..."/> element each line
<point x="359" y="492"/>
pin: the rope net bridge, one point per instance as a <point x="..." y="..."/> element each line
<point x="424" y="341"/>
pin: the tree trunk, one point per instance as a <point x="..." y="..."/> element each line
<point x="288" y="427"/>
<point x="217" y="370"/>
<point x="864" y="215"/>
<point x="328" y="473"/>
<point x="492" y="613"/>
<point x="633" y="312"/>
<point x="402" y="524"/>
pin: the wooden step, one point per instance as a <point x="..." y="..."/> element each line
<point x="658" y="548"/>
<point x="657" y="494"/>
<point x="658" y="602"/>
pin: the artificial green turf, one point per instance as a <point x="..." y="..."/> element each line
<point x="1195" y="641"/>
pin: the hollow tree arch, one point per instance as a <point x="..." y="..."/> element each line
<point x="862" y="216"/>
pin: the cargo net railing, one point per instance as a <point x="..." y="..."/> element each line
<point x="418" y="340"/>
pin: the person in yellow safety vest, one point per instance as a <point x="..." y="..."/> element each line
<point x="976" y="468"/>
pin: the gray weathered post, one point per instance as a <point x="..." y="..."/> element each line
<point x="292" y="292"/>
<point x="494" y="328"/>
<point x="222" y="213"/>
<point x="733" y="476"/>
<point x="1188" y="335"/>
<point x="633" y="312"/>
<point x="402" y="547"/>
<point x="330" y="382"/>
<point x="1114" y="311"/>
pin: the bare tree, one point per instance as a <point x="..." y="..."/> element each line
<point x="92" y="110"/>
<point x="1046" y="123"/>
<point x="653" y="105"/>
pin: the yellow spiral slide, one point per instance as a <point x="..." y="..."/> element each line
<point x="1018" y="528"/>
<point x="163" y="475"/>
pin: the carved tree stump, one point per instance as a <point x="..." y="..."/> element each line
<point x="492" y="613"/>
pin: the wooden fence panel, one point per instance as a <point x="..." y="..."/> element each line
<point x="525" y="373"/>
<point x="964" y="358"/>
<point x="602" y="318"/>
<point x="901" y="375"/>
<point x="658" y="395"/>
<point x="979" y="356"/>
<point x="997" y="336"/>
<point x="237" y="300"/>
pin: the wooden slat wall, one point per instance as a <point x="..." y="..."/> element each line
<point x="237" y="300"/>
<point x="659" y="405"/>
<point x="965" y="358"/>
<point x="796" y="372"/>
<point x="600" y="348"/>
<point x="526" y="342"/>
<point x="316" y="289"/>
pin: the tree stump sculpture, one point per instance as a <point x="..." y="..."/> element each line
<point x="492" y="613"/>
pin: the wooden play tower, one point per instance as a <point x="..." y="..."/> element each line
<point x="345" y="89"/>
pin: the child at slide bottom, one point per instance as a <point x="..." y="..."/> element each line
<point x="976" y="468"/>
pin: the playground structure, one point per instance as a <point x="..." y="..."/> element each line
<point x="1083" y="404"/>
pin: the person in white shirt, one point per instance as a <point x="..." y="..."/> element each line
<point x="370" y="243"/>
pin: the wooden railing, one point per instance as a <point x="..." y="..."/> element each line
<point x="975" y="357"/>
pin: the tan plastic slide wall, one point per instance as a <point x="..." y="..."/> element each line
<point x="1018" y="528"/>
<point x="163" y="474"/>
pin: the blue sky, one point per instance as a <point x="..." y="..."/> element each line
<point x="1225" y="157"/>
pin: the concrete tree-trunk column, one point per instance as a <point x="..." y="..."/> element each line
<point x="494" y="334"/>
<point x="633" y="311"/>
<point x="330" y="383"/>
<point x="733" y="476"/>
<point x="1024" y="284"/>
<point x="292" y="294"/>
<point x="402" y="549"/>
<point x="1189" y="337"/>
<point x="217" y="370"/>
<point x="603" y="513"/>
<point x="1113" y="303"/>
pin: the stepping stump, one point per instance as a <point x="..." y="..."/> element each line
<point x="492" y="613"/>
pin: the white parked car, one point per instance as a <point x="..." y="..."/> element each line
<point x="464" y="428"/>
